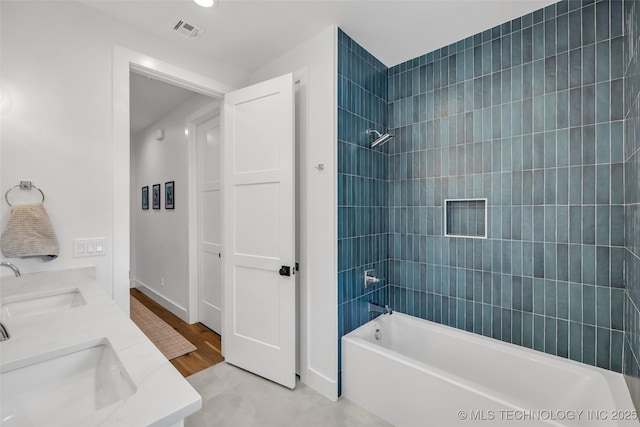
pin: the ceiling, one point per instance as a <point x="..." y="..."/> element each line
<point x="248" y="34"/>
<point x="151" y="100"/>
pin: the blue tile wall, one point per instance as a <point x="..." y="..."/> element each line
<point x="632" y="199"/>
<point x="363" y="187"/>
<point x="528" y="114"/>
<point x="540" y="115"/>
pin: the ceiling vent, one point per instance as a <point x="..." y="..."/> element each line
<point x="187" y="30"/>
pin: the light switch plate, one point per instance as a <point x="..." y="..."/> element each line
<point x="96" y="246"/>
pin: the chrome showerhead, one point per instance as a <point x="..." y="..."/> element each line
<point x="380" y="138"/>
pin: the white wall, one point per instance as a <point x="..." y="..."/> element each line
<point x="160" y="240"/>
<point x="56" y="117"/>
<point x="56" y="130"/>
<point x="318" y="235"/>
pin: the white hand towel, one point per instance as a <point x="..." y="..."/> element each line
<point x="29" y="233"/>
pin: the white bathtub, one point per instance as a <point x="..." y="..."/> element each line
<point x="419" y="373"/>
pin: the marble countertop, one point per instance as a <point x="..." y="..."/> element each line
<point x="162" y="397"/>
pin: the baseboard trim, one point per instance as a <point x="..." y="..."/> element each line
<point x="323" y="385"/>
<point x="174" y="308"/>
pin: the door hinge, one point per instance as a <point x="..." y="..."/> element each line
<point x="297" y="266"/>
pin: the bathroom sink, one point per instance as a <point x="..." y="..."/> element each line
<point x="63" y="386"/>
<point x="33" y="304"/>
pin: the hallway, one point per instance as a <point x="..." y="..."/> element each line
<point x="207" y="341"/>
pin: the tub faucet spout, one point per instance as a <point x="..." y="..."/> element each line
<point x="372" y="307"/>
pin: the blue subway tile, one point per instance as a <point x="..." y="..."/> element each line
<point x="575" y="341"/>
<point x="588" y="25"/>
<point x="603" y="61"/>
<point x="602" y="20"/>
<point x="617" y="338"/>
<point x="589" y="344"/>
<point x="575" y="29"/>
<point x="562" y="33"/>
<point x="603" y="351"/>
<point x="589" y="264"/>
<point x="538" y="332"/>
<point x="550" y="328"/>
<point x="588" y="305"/>
<point x="589" y="60"/>
<point x="575" y="302"/>
<point x="603" y="307"/>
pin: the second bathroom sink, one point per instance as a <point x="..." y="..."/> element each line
<point x="41" y="303"/>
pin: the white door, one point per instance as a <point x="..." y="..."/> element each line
<point x="209" y="220"/>
<point x="258" y="230"/>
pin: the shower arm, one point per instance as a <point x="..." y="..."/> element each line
<point x="370" y="131"/>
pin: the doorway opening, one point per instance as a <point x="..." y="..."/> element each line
<point x="175" y="217"/>
<point x="265" y="105"/>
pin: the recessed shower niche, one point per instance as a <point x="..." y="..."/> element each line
<point x="465" y="218"/>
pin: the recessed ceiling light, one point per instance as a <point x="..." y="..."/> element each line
<point x="205" y="3"/>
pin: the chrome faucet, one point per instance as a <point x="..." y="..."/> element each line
<point x="13" y="268"/>
<point x="372" y="307"/>
<point x="4" y="333"/>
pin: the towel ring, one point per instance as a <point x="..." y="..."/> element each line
<point x="25" y="185"/>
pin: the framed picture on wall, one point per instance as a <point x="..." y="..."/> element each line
<point x="145" y="197"/>
<point x="156" y="196"/>
<point x="168" y="195"/>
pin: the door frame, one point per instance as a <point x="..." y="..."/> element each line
<point x="125" y="61"/>
<point x="193" y="121"/>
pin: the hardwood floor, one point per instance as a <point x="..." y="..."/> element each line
<point x="207" y="341"/>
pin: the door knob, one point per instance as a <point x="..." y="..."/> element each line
<point x="285" y="270"/>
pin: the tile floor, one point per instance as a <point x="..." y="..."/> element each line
<point x="233" y="397"/>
